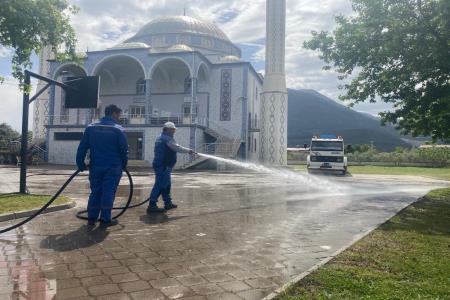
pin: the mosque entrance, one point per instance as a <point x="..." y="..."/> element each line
<point x="135" y="145"/>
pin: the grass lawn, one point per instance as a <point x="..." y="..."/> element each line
<point x="438" y="173"/>
<point x="15" y="202"/>
<point x="408" y="257"/>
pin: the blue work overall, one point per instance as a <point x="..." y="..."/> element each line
<point x="163" y="163"/>
<point x="108" y="147"/>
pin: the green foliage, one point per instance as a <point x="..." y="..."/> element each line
<point x="357" y="148"/>
<point x="406" y="258"/>
<point x="399" y="51"/>
<point x="29" y="25"/>
<point x="7" y="134"/>
<point x="438" y="157"/>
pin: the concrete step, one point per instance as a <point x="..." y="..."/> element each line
<point x="138" y="163"/>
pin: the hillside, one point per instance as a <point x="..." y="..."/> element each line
<point x="311" y="113"/>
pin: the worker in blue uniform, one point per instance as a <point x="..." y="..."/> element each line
<point x="108" y="148"/>
<point x="165" y="158"/>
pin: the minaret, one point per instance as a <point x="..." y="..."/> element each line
<point x="274" y="96"/>
<point x="41" y="103"/>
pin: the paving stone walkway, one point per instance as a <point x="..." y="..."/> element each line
<point x="234" y="236"/>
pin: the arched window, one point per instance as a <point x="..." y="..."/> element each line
<point x="140" y="87"/>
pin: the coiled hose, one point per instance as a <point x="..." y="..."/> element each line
<point x="80" y="214"/>
<point x="62" y="188"/>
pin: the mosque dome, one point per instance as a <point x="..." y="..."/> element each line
<point x="165" y="32"/>
<point x="181" y="24"/>
<point x="130" y="45"/>
<point x="179" y="48"/>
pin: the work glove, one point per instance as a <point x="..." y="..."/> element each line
<point x="82" y="167"/>
<point x="192" y="152"/>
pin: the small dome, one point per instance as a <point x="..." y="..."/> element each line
<point x="131" y="45"/>
<point x="230" y="58"/>
<point x="179" y="48"/>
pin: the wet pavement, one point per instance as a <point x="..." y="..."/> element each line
<point x="234" y="235"/>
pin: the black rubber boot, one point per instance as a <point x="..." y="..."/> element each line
<point x="170" y="206"/>
<point x="155" y="209"/>
<point x="105" y="224"/>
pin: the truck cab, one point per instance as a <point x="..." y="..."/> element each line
<point x="326" y="153"/>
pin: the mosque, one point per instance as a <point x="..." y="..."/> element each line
<point x="183" y="70"/>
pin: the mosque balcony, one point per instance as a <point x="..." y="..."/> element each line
<point x="128" y="120"/>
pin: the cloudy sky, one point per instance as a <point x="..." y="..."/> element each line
<point x="103" y="23"/>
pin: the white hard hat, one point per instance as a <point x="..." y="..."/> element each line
<point x="170" y="125"/>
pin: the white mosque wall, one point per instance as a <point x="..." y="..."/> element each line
<point x="62" y="152"/>
<point x="253" y="143"/>
<point x="202" y="100"/>
<point x="232" y="126"/>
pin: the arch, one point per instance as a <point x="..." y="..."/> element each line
<point x="205" y="67"/>
<point x="163" y="59"/>
<point x="109" y="57"/>
<point x="65" y="65"/>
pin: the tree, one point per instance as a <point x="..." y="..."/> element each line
<point x="438" y="156"/>
<point x="29" y="25"/>
<point x="8" y="133"/>
<point x="397" y="51"/>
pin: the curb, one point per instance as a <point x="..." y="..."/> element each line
<point x="27" y="213"/>
<point x="360" y="236"/>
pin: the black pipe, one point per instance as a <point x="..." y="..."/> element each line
<point x="79" y="214"/>
<point x="61" y="189"/>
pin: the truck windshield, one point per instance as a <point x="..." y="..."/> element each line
<point x="326" y="146"/>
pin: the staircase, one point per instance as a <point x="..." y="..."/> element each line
<point x="37" y="153"/>
<point x="223" y="147"/>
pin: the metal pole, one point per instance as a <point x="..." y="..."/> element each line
<point x="24" y="140"/>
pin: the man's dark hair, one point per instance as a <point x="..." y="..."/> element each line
<point x="110" y="109"/>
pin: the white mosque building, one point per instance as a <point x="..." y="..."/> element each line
<point x="177" y="69"/>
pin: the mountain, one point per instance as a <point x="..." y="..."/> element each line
<point x="311" y="113"/>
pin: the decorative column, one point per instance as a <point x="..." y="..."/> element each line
<point x="50" y="119"/>
<point x="194" y="101"/>
<point x="274" y="96"/>
<point x="192" y="140"/>
<point x="148" y="101"/>
<point x="40" y="105"/>
<point x="51" y="105"/>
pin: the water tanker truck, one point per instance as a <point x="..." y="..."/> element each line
<point x="326" y="153"/>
